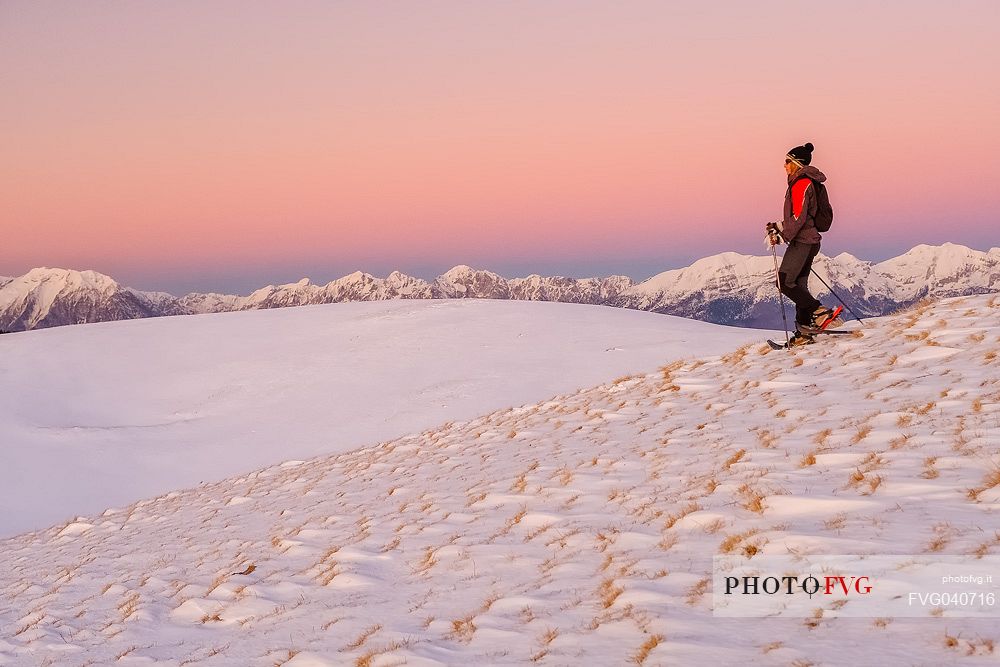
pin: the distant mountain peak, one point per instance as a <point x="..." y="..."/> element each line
<point x="356" y="277"/>
<point x="464" y="272"/>
<point x="72" y="278"/>
<point x="46" y="297"/>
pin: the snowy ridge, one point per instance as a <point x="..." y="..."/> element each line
<point x="939" y="271"/>
<point x="200" y="304"/>
<point x="739" y="289"/>
<point x="577" y="530"/>
<point x="728" y="288"/>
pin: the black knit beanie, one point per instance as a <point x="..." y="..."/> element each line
<point x="802" y="154"/>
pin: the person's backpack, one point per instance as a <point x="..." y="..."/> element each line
<point x="824" y="212"/>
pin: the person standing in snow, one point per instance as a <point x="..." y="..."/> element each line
<point x="799" y="231"/>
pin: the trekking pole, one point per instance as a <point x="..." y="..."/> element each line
<point x="836" y="295"/>
<point x="781" y="295"/>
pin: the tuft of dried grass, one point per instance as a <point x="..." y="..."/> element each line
<point x="527" y="615"/>
<point x="680" y="514"/>
<point x="608" y="592"/>
<point x="129" y="606"/>
<point x="753" y="499"/>
<point x="942" y="535"/>
<point x="900" y="441"/>
<point x="549" y="636"/>
<point x="363" y="637"/>
<point x="668" y="542"/>
<point x="697" y="591"/>
<point x="714" y="526"/>
<point x="836" y="523"/>
<point x="647" y="647"/>
<point x="520" y="484"/>
<point x="428" y="561"/>
<point x="873" y="484"/>
<point x="991" y="480"/>
<point x="766" y="439"/>
<point x="737" y="455"/>
<point x="728" y="545"/>
<point x="861" y="433"/>
<point x="462" y="629"/>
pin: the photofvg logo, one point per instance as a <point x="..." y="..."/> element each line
<point x="856" y="586"/>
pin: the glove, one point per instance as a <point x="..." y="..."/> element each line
<point x="773" y="236"/>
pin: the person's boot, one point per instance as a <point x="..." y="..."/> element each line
<point x="800" y="338"/>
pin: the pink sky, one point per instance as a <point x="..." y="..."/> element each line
<point x="226" y="145"/>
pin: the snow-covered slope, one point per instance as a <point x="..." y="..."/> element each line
<point x="577" y="530"/>
<point x="107" y="413"/>
<point x="728" y="288"/>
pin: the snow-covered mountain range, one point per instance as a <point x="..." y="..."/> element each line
<point x="729" y="288"/>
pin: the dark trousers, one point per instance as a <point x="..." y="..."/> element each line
<point x="793" y="279"/>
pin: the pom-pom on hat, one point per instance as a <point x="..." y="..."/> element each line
<point x="802" y="154"/>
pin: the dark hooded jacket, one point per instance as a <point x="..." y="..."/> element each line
<point x="800" y="206"/>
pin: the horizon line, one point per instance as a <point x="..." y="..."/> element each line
<point x="473" y="268"/>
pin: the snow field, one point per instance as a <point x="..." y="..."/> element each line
<point x="105" y="414"/>
<point x="578" y="530"/>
